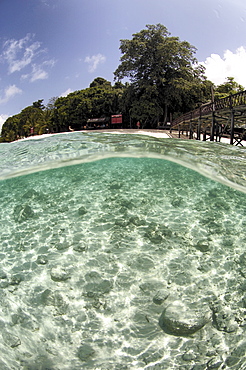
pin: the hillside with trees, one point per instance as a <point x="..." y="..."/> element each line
<point x="158" y="79"/>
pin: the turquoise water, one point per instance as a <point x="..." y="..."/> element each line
<point x="122" y="252"/>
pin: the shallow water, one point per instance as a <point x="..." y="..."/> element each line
<point x="116" y="258"/>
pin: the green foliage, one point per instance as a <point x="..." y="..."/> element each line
<point x="164" y="80"/>
<point x="163" y="72"/>
<point x="227" y="88"/>
<point x="32" y="120"/>
<point x="99" y="100"/>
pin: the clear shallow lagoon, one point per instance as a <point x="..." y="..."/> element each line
<point x="118" y="253"/>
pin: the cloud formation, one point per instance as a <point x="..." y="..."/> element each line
<point x="20" y="53"/>
<point x="39" y="71"/>
<point x="230" y="65"/>
<point x="65" y="93"/>
<point x="23" y="53"/>
<point x="9" y="93"/>
<point x="94" y="61"/>
<point x="3" y="118"/>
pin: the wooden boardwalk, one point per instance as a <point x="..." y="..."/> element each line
<point x="222" y="118"/>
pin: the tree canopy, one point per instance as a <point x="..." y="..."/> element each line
<point x="228" y="88"/>
<point x="163" y="71"/>
<point x="158" y="79"/>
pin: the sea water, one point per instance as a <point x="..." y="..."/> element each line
<point x="122" y="252"/>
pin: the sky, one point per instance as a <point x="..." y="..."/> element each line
<point x="49" y="48"/>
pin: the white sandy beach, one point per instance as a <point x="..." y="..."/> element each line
<point x="163" y="134"/>
<point x="154" y="133"/>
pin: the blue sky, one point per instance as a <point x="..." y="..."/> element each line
<point x="49" y="48"/>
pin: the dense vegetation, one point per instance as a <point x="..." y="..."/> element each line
<point x="163" y="77"/>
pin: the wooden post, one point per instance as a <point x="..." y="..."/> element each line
<point x="212" y="127"/>
<point x="199" y="130"/>
<point x="204" y="135"/>
<point x="190" y="130"/>
<point x="232" y="127"/>
<point x="179" y="130"/>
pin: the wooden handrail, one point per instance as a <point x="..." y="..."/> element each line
<point x="228" y="102"/>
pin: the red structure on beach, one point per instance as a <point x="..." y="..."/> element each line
<point x="116" y="119"/>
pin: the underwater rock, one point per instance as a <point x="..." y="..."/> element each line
<point x="214" y="363"/>
<point x="62" y="246"/>
<point x="85" y="352"/>
<point x="93" y="289"/>
<point x="223" y="318"/>
<point x="236" y="355"/>
<point x="23" y="212"/>
<point x="16" y="279"/>
<point x="93" y="276"/>
<point x="20" y="318"/>
<point x="30" y="194"/>
<point x="42" y="260"/>
<point x="157" y="233"/>
<point x="177" y="202"/>
<point x="182" y="319"/>
<point x="202" y="246"/>
<point x="115" y="185"/>
<point x="137" y="221"/>
<point x="55" y="299"/>
<point x="160" y="296"/>
<point x="80" y="247"/>
<point x="59" y="274"/>
<point x="82" y="211"/>
<point x="11" y="339"/>
<point x="125" y="203"/>
<point x="143" y="263"/>
<point x="3" y="275"/>
<point x="242" y="264"/>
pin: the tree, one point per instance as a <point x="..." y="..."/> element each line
<point x="227" y="88"/>
<point x="155" y="62"/>
<point x="38" y="104"/>
<point x="99" y="81"/>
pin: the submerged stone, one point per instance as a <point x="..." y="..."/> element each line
<point x="85" y="352"/>
<point x="94" y="289"/>
<point x="115" y="185"/>
<point x="59" y="274"/>
<point x="23" y="212"/>
<point x="80" y="247"/>
<point x="182" y="319"/>
<point x="16" y="279"/>
<point x="223" y="318"/>
<point x="54" y="298"/>
<point x="137" y="221"/>
<point x="62" y="246"/>
<point x="29" y="194"/>
<point x="11" y="339"/>
<point x="214" y="363"/>
<point x="242" y="264"/>
<point x="143" y="263"/>
<point x="160" y="296"/>
<point x="202" y="246"/>
<point x="3" y="275"/>
<point x="42" y="260"/>
<point x="82" y="211"/>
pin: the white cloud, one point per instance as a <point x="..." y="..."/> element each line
<point x="94" y="61"/>
<point x="49" y="4"/>
<point x="65" y="93"/>
<point x="230" y="65"/>
<point x="39" y="71"/>
<point x="23" y="54"/>
<point x="3" y="118"/>
<point x="20" y="53"/>
<point x="9" y="93"/>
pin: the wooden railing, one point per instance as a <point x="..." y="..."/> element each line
<point x="227" y="103"/>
